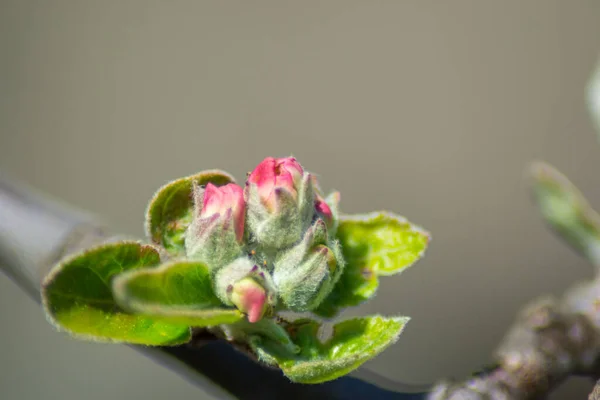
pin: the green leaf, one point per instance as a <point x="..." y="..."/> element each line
<point x="373" y="245"/>
<point x="566" y="210"/>
<point x="592" y="96"/>
<point x="169" y="212"/>
<point x="352" y="343"/>
<point x="77" y="297"/>
<point x="179" y="292"/>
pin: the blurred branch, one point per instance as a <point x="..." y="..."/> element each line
<point x="36" y="232"/>
<point x="595" y="395"/>
<point x="551" y="339"/>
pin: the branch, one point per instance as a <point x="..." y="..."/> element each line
<point x="595" y="395"/>
<point x="550" y="340"/>
<point x="36" y="232"/>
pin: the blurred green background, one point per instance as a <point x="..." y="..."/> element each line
<point x="431" y="109"/>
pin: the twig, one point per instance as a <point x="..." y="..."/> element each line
<point x="595" y="395"/>
<point x="550" y="340"/>
<point x="35" y="232"/>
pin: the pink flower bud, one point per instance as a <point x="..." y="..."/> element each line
<point x="250" y="298"/>
<point x="324" y="210"/>
<point x="274" y="174"/>
<point x="227" y="200"/>
<point x="321" y="206"/>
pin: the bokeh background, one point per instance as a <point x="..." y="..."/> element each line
<point x="431" y="109"/>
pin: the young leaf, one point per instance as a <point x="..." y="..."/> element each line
<point x="373" y="245"/>
<point x="179" y="292"/>
<point x="592" y="96"/>
<point x="352" y="343"/>
<point x="77" y="298"/>
<point x="566" y="210"/>
<point x="169" y="212"/>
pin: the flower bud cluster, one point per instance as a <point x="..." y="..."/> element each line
<point x="269" y="245"/>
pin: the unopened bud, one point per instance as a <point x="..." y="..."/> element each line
<point x="304" y="286"/>
<point x="216" y="232"/>
<point x="246" y="286"/>
<point x="280" y="202"/>
<point x="250" y="298"/>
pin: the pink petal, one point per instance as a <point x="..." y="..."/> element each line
<point x="228" y="201"/>
<point x="265" y="171"/>
<point x="323" y="208"/>
<point x="239" y="210"/>
<point x="256" y="304"/>
<point x="274" y="173"/>
<point x="250" y="298"/>
<point x="213" y="199"/>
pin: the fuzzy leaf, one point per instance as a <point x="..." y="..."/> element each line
<point x="179" y="292"/>
<point x="77" y="298"/>
<point x="373" y="245"/>
<point x="170" y="210"/>
<point x="352" y="343"/>
<point x="566" y="210"/>
<point x="592" y="95"/>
